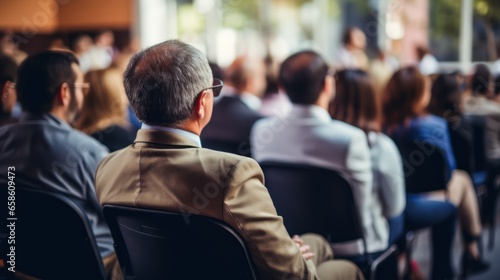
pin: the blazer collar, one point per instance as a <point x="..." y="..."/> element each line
<point x="163" y="138"/>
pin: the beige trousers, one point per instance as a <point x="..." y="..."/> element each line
<point x="112" y="267"/>
<point x="326" y="267"/>
<point x="460" y="192"/>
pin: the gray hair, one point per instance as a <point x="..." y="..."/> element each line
<point x="163" y="81"/>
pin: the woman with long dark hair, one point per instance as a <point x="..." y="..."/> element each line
<point x="357" y="103"/>
<point x="404" y="105"/>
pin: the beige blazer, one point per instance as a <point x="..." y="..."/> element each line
<point x="163" y="170"/>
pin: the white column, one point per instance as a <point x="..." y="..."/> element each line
<point x="265" y="15"/>
<point x="323" y="29"/>
<point x="213" y="24"/>
<point x="382" y="13"/>
<point x="466" y="16"/>
<point x="156" y="21"/>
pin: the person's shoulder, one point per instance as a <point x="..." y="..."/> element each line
<point x="383" y="142"/>
<point x="345" y="129"/>
<point x="223" y="158"/>
<point x="85" y="143"/>
<point x="7" y="127"/>
<point x="432" y="121"/>
<point x="340" y="136"/>
<point x="265" y="122"/>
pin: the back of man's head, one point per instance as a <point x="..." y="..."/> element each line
<point x="481" y="80"/>
<point x="163" y="81"/>
<point x="40" y="77"/>
<point x="302" y="75"/>
<point x="247" y="74"/>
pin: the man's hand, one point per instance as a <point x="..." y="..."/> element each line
<point x="304" y="249"/>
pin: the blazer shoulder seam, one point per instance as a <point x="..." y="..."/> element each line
<point x="140" y="177"/>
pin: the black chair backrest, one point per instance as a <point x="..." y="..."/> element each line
<point x="386" y="266"/>
<point x="424" y="165"/>
<point x="462" y="149"/>
<point x="153" y="244"/>
<point x="234" y="147"/>
<point x="313" y="199"/>
<point x="478" y="124"/>
<point x="53" y="238"/>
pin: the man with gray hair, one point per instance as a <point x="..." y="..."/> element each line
<point x="171" y="90"/>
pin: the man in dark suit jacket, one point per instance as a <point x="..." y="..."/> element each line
<point x="236" y="111"/>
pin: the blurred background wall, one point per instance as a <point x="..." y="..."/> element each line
<point x="457" y="32"/>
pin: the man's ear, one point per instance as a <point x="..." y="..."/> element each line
<point x="5" y="90"/>
<point x="63" y="95"/>
<point x="199" y="105"/>
<point x="329" y="87"/>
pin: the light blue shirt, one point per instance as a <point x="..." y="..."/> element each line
<point x="189" y="135"/>
<point x="49" y="154"/>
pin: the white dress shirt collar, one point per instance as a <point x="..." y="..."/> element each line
<point x="189" y="135"/>
<point x="252" y="101"/>
<point x="310" y="111"/>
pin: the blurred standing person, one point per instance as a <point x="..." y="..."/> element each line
<point x="236" y="112"/>
<point x="380" y="71"/>
<point x="104" y="112"/>
<point x="8" y="72"/>
<point x="101" y="54"/>
<point x="352" y="54"/>
<point x="427" y="63"/>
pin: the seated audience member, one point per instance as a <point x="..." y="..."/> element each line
<point x="8" y="46"/>
<point x="46" y="151"/>
<point x="237" y="110"/>
<point x="480" y="103"/>
<point x="104" y="112"/>
<point x="357" y="104"/>
<point x="497" y="89"/>
<point x="405" y="102"/>
<point x="274" y="101"/>
<point x="101" y="54"/>
<point x="8" y="69"/>
<point x="446" y="102"/>
<point x="81" y="45"/>
<point x="174" y="113"/>
<point x="308" y="135"/>
<point x="446" y="98"/>
<point x="217" y="72"/>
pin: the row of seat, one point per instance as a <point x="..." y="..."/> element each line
<point x="160" y="245"/>
<point x="55" y="240"/>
